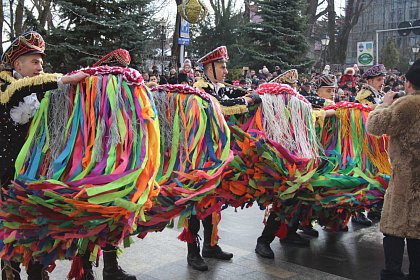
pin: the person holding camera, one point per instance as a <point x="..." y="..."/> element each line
<point x="400" y="222"/>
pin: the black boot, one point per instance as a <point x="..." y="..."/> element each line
<point x="112" y="271"/>
<point x="209" y="251"/>
<point x="87" y="268"/>
<point x="295" y="239"/>
<point x="308" y="230"/>
<point x="361" y="219"/>
<point x="10" y="270"/>
<point x="37" y="272"/>
<point x="194" y="258"/>
<point x="215" y="252"/>
<point x="264" y="250"/>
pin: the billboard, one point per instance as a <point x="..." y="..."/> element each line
<point x="365" y="53"/>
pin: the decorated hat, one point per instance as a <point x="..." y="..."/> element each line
<point x="413" y="74"/>
<point x="289" y="77"/>
<point x="325" y="81"/>
<point x="218" y="54"/>
<point x="349" y="71"/>
<point x="375" y="71"/>
<point x="29" y="42"/>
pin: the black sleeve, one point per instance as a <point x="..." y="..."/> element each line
<point x="27" y="90"/>
<point x="232" y="102"/>
<point x="232" y="92"/>
<point x="316" y="101"/>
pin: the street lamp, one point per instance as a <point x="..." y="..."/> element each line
<point x="162" y="39"/>
<point x="324" y="43"/>
<point x="415" y="50"/>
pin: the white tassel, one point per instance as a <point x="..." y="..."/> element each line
<point x="26" y="110"/>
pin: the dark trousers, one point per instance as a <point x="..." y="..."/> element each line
<point x="272" y="226"/>
<point x="194" y="227"/>
<point x="394" y="251"/>
<point x="16" y="270"/>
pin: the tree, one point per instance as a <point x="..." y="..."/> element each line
<point x="390" y="55"/>
<point x="219" y="28"/>
<point x="279" y="39"/>
<point x="90" y="29"/>
<point x="339" y="40"/>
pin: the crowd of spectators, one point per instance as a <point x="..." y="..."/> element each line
<point x="349" y="81"/>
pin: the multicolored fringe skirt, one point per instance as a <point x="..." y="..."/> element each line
<point x="87" y="171"/>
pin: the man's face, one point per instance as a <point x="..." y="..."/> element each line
<point x="220" y="69"/>
<point x="377" y="82"/>
<point x="153" y="79"/>
<point x="29" y="65"/>
<point x="326" y="92"/>
<point x="252" y="73"/>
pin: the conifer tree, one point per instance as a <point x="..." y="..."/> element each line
<point x="91" y="29"/>
<point x="278" y="37"/>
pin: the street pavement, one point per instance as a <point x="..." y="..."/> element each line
<point x="356" y="254"/>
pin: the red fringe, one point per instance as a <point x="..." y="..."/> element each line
<point x="186" y="236"/>
<point x="76" y="270"/>
<point x="282" y="231"/>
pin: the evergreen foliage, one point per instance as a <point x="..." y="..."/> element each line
<point x="391" y="55"/>
<point x="92" y="28"/>
<point x="279" y="38"/>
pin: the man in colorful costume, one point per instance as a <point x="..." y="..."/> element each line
<point x="232" y="101"/>
<point x="23" y="84"/>
<point x="326" y="86"/>
<point x="371" y="93"/>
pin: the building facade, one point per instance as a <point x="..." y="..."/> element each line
<point x="382" y="15"/>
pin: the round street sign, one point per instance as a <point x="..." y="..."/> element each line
<point x="404" y="24"/>
<point x="365" y="59"/>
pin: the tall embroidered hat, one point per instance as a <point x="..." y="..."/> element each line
<point x="289" y="77"/>
<point x="375" y="71"/>
<point x="325" y="81"/>
<point x="218" y="54"/>
<point x="30" y="42"/>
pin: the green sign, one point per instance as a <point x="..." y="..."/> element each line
<point x="365" y="59"/>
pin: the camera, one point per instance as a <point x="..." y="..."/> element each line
<point x="401" y="93"/>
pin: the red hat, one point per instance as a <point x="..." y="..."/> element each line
<point x="219" y="53"/>
<point x="29" y="42"/>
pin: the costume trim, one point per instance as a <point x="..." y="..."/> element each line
<point x="16" y="85"/>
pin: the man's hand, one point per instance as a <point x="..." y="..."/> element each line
<point x="389" y="98"/>
<point x="74" y="78"/>
<point x="330" y="113"/>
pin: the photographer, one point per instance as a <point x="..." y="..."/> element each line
<point x="400" y="119"/>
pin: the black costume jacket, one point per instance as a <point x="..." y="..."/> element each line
<point x="12" y="134"/>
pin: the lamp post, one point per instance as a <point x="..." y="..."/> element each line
<point x="415" y="50"/>
<point x="324" y="43"/>
<point x="162" y="40"/>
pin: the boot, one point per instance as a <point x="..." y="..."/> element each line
<point x="209" y="251"/>
<point x="87" y="268"/>
<point x="112" y="271"/>
<point x="295" y="239"/>
<point x="10" y="270"/>
<point x="215" y="252"/>
<point x="264" y="250"/>
<point x="194" y="258"/>
<point x="37" y="272"/>
<point x="361" y="219"/>
<point x="308" y="230"/>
